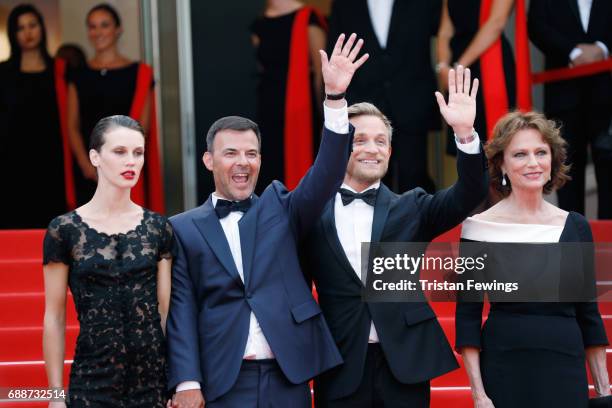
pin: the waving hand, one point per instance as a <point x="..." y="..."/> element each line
<point x="338" y="70"/>
<point x="460" y="112"/>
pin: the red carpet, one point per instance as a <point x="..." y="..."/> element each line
<point x="22" y="310"/>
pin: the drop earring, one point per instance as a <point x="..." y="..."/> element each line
<point x="504" y="182"/>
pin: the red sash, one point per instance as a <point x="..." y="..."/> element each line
<point x="523" y="61"/>
<point x="298" y="103"/>
<point x="61" y="92"/>
<point x="149" y="191"/>
<point x="494" y="88"/>
<point x="561" y="74"/>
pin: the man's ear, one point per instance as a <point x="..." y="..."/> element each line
<point x="207" y="159"/>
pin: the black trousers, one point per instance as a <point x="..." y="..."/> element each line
<point x="588" y="124"/>
<point x="379" y="388"/>
<point x="262" y="384"/>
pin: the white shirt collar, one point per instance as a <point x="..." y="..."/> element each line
<point x="215" y="197"/>
<point x="346" y="186"/>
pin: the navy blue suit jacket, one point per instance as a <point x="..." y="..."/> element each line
<point x="208" y="322"/>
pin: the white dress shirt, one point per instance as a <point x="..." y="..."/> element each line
<point x="257" y="346"/>
<point x="584" y="7"/>
<point x="380" y="15"/>
<point x="354" y="226"/>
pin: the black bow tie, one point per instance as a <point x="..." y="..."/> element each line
<point x="224" y="207"/>
<point x="368" y="196"/>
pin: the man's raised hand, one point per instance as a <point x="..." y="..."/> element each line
<point x="460" y="112"/>
<point x="338" y="70"/>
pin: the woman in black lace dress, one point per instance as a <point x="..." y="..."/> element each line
<point x="115" y="257"/>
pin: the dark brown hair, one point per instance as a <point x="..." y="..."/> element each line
<point x="109" y="9"/>
<point x="505" y="129"/>
<point x="13" y="27"/>
<point x="105" y="125"/>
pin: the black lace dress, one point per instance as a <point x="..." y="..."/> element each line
<point x="120" y="356"/>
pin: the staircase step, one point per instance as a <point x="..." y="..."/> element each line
<point x="27" y="374"/>
<point x="27" y="309"/>
<point x="456" y="397"/>
<point x="25" y="343"/>
<point x="21" y="244"/>
<point x="21" y="276"/>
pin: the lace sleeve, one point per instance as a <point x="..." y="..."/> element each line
<point x="167" y="247"/>
<point x="54" y="246"/>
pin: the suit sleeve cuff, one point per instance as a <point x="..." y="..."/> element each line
<point x="188" y="385"/>
<point x="576" y="52"/>
<point x="603" y="48"/>
<point x="472" y="147"/>
<point x="336" y="120"/>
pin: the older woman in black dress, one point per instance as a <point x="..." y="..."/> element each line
<point x="115" y="257"/>
<point x="530" y="354"/>
<point x="30" y="121"/>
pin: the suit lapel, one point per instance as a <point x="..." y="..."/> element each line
<point x="209" y="226"/>
<point x="331" y="234"/>
<point x="368" y="34"/>
<point x="574" y="7"/>
<point x="396" y="21"/>
<point x="381" y="211"/>
<point x="248" y="226"/>
<point x="595" y="13"/>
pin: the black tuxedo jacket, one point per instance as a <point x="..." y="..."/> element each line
<point x="555" y="28"/>
<point x="412" y="340"/>
<point x="399" y="79"/>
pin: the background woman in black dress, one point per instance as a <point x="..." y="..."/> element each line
<point x="115" y="257"/>
<point x="29" y="119"/>
<point x="106" y="86"/>
<point x="272" y="37"/>
<point x="531" y="354"/>
<point x="463" y="40"/>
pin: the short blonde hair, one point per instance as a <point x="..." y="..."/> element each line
<point x="368" y="109"/>
<point x="505" y="129"/>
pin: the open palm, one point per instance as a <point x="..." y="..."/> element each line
<point x="339" y="69"/>
<point x="460" y="112"/>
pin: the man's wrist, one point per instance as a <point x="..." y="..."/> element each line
<point x="464" y="135"/>
<point x="187" y="386"/>
<point x="336" y="117"/>
<point x="335" y="104"/>
<point x="604" y="49"/>
<point x="575" y="53"/>
<point x="335" y="97"/>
